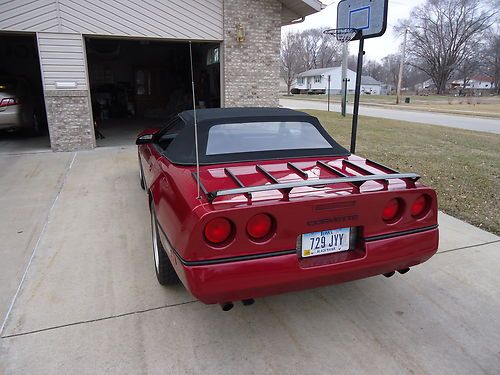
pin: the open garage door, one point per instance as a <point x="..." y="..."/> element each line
<point x="23" y="120"/>
<point x="136" y="84"/>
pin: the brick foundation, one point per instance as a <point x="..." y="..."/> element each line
<point x="70" y="120"/>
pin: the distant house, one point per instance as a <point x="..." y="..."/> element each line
<point x="370" y="85"/>
<point x="425" y="86"/>
<point x="475" y="83"/>
<point x="316" y="81"/>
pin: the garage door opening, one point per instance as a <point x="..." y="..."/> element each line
<point x="23" y="120"/>
<point x="136" y="84"/>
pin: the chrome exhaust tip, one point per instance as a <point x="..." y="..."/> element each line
<point x="389" y="274"/>
<point x="403" y="271"/>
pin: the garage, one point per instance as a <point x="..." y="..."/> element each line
<point x="23" y="120"/>
<point x="141" y="83"/>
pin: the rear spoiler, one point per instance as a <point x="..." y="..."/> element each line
<point x="286" y="187"/>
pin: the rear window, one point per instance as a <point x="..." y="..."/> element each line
<point x="263" y="136"/>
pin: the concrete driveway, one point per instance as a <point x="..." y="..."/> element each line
<point x="76" y="225"/>
<point x="432" y="118"/>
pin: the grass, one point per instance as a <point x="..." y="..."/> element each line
<point x="484" y="106"/>
<point x="463" y="166"/>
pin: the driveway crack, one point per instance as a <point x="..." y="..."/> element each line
<point x="35" y="248"/>
<point x="97" y="319"/>
<point x="468" y="247"/>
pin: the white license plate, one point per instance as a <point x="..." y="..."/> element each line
<point x="325" y="242"/>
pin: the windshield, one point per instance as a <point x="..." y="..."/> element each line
<point x="263" y="136"/>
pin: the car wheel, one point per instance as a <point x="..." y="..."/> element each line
<point x="165" y="272"/>
<point x="141" y="176"/>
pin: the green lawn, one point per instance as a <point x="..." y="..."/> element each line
<point x="463" y="166"/>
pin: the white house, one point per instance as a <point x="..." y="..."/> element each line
<point x="475" y="83"/>
<point x="370" y="85"/>
<point x="316" y="80"/>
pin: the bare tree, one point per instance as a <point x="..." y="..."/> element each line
<point x="443" y="31"/>
<point x="491" y="58"/>
<point x="390" y="65"/>
<point x="291" y="58"/>
<point x="320" y="50"/>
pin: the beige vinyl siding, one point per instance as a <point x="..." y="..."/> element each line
<point x="172" y="19"/>
<point x="62" y="59"/>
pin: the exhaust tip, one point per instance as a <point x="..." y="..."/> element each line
<point x="226" y="306"/>
<point x="389" y="274"/>
<point x="248" y="302"/>
<point x="403" y="271"/>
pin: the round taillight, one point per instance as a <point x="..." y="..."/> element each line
<point x="420" y="206"/>
<point x="259" y="226"/>
<point x="392" y="210"/>
<point x="218" y="230"/>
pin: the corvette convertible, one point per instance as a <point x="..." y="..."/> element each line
<point x="271" y="203"/>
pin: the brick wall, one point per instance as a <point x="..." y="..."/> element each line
<point x="69" y="119"/>
<point x="251" y="68"/>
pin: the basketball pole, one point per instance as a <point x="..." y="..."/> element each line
<point x="357" y="92"/>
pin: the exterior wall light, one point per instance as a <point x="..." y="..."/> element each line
<point x="240" y="33"/>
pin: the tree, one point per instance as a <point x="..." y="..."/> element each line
<point x="491" y="58"/>
<point x="390" y="65"/>
<point x="291" y="58"/>
<point x="319" y="49"/>
<point x="442" y="34"/>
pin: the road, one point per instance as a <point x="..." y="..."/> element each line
<point x="453" y="121"/>
<point x="79" y="294"/>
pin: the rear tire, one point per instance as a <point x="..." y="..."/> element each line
<point x="36" y="126"/>
<point x="165" y="272"/>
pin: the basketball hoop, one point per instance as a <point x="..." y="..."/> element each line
<point x="343" y="36"/>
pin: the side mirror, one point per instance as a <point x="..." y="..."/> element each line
<point x="144" y="139"/>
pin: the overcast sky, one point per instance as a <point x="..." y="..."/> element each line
<point x="376" y="48"/>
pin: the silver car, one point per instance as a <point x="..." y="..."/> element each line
<point x="19" y="106"/>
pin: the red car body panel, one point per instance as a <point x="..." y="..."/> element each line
<point x="243" y="268"/>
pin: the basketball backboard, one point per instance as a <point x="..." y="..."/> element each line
<point x="369" y="16"/>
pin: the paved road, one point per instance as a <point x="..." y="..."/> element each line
<point x="453" y="121"/>
<point x="90" y="303"/>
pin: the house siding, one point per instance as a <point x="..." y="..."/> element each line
<point x="176" y="19"/>
<point x="251" y="68"/>
<point x="62" y="59"/>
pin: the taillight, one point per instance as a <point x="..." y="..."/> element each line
<point x="392" y="210"/>
<point x="6" y="102"/>
<point x="218" y="230"/>
<point x="259" y="226"/>
<point x="420" y="206"/>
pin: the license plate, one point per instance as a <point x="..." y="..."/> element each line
<point x="325" y="242"/>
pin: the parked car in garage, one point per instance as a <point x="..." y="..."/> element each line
<point x="275" y="205"/>
<point x="21" y="108"/>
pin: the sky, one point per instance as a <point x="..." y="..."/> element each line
<point x="375" y="48"/>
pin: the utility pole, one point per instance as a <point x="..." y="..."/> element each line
<point x="343" y="83"/>
<point x="401" y="64"/>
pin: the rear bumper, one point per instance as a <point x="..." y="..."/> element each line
<point x="10" y="119"/>
<point x="244" y="279"/>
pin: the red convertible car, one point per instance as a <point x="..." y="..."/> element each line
<point x="275" y="205"/>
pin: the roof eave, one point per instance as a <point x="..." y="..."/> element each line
<point x="294" y="10"/>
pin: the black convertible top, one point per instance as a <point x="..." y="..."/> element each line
<point x="181" y="150"/>
<point x="218" y="114"/>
